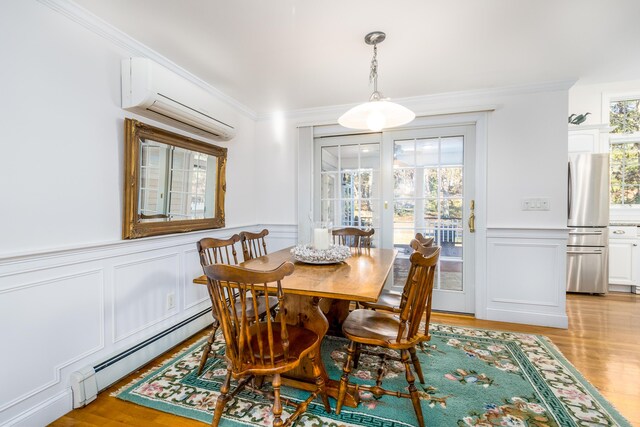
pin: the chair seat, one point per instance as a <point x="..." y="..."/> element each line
<point x="262" y="306"/>
<point x="375" y="328"/>
<point x="388" y="300"/>
<point x="300" y="340"/>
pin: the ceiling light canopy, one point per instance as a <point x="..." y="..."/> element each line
<point x="379" y="113"/>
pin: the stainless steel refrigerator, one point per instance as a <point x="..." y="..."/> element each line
<point x="588" y="245"/>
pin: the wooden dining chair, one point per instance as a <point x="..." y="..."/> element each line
<point x="424" y="241"/>
<point x="353" y="237"/>
<point x="253" y="244"/>
<point x="223" y="251"/>
<point x="393" y="331"/>
<point x="263" y="348"/>
<point x="390" y="300"/>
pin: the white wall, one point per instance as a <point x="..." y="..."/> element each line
<point x="72" y="293"/>
<point x="62" y="161"/>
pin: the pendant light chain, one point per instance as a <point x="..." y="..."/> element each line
<point x="378" y="113"/>
<point x="373" y="74"/>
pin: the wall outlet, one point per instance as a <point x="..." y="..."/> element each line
<point x="171" y="301"/>
<point x="535" y="204"/>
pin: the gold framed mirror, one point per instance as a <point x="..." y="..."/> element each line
<point x="173" y="183"/>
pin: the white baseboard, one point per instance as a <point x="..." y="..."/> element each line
<point x="109" y="374"/>
<point x="528" y="318"/>
<point x="43" y="413"/>
<point x="624" y="288"/>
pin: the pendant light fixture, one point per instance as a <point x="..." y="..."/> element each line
<point x="379" y="113"/>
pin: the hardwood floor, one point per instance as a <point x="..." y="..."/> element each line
<point x="603" y="342"/>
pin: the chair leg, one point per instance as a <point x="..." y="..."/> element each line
<point x="277" y="405"/>
<point x="258" y="381"/>
<point x="344" y="380"/>
<point x="207" y="346"/>
<point x="413" y="391"/>
<point x="416" y="364"/>
<point x="356" y="357"/>
<point x="317" y="372"/>
<point x="222" y="399"/>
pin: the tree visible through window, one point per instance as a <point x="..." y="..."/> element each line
<point x="625" y="173"/>
<point x="624" y="118"/>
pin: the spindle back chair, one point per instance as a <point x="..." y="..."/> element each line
<point x="260" y="348"/>
<point x="399" y="331"/>
<point x="223" y="251"/>
<point x="424" y="241"/>
<point x="353" y="237"/>
<point x="253" y="244"/>
<point x="218" y="251"/>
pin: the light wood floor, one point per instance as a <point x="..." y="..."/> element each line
<point x="603" y="342"/>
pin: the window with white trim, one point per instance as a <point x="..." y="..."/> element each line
<point x="624" y="148"/>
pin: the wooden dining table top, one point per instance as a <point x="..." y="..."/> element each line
<point x="360" y="277"/>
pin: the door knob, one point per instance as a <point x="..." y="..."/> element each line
<point x="472" y="217"/>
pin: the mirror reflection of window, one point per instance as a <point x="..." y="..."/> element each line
<point x="175" y="183"/>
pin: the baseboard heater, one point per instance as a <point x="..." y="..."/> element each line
<point x="88" y="381"/>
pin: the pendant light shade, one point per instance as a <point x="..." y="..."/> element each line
<point x="378" y="113"/>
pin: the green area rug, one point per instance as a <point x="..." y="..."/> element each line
<point x="474" y="377"/>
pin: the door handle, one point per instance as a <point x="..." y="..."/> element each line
<point x="584" y="252"/>
<point x="618" y="231"/>
<point x="569" y="192"/>
<point x="472" y="217"/>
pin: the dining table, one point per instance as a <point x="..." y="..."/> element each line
<point x="318" y="297"/>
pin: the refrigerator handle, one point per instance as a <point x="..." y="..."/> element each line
<point x="569" y="193"/>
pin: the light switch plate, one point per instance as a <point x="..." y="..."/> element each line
<point x="537" y="204"/>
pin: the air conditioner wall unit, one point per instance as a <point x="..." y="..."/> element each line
<point x="153" y="91"/>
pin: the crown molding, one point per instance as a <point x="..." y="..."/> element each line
<point x="419" y="102"/>
<point x="102" y="28"/>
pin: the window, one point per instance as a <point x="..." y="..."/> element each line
<point x="625" y="173"/>
<point x="624" y="118"/>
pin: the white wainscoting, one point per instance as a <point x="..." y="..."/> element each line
<point x="526" y="276"/>
<point x="102" y="306"/>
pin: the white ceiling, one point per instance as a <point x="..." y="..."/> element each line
<point x="291" y="54"/>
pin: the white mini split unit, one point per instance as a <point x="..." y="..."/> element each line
<point x="152" y="91"/>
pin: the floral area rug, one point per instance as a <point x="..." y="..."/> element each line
<point x="474" y="377"/>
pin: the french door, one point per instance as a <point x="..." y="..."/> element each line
<point x="430" y="191"/>
<point x="348" y="181"/>
<point x="401" y="183"/>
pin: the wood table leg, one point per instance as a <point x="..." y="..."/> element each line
<point x="336" y="311"/>
<point x="305" y="311"/>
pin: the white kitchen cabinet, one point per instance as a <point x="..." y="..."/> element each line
<point x="621" y="257"/>
<point x="588" y="139"/>
<point x="624" y="257"/>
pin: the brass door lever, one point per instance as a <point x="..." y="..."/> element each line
<point x="472" y="217"/>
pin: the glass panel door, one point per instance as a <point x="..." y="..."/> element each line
<point x="349" y="181"/>
<point x="432" y="186"/>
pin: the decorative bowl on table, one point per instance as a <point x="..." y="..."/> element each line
<point x="310" y="255"/>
